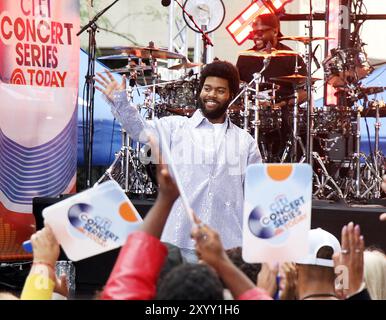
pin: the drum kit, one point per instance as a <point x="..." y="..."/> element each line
<point x="341" y="170"/>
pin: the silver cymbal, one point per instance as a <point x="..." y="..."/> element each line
<point x="294" y="79"/>
<point x="116" y="57"/>
<point x="149" y="52"/>
<point x="131" y="69"/>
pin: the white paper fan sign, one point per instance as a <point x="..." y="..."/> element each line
<point x="94" y="221"/>
<point x="208" y="13"/>
<point x="277" y="212"/>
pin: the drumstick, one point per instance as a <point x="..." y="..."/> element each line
<point x="168" y="160"/>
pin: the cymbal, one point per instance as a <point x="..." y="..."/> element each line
<point x="131" y="69"/>
<point x="371" y="90"/>
<point x="116" y="57"/>
<point x="304" y="39"/>
<point x="294" y="79"/>
<point x="267" y="54"/>
<point x="185" y="65"/>
<point x="149" y="52"/>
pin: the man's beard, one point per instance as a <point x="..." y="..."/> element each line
<point x="216" y="113"/>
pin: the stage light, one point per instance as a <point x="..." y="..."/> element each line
<point x="240" y="27"/>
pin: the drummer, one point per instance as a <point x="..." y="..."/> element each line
<point x="266" y="35"/>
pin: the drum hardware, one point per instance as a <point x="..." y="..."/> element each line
<point x="346" y="66"/>
<point x="254" y="87"/>
<point x="297" y="81"/>
<point x="128" y="168"/>
<point x="376" y="167"/>
<point x="323" y="183"/>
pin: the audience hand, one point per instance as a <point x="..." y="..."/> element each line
<point x="351" y="257"/>
<point x="266" y="279"/>
<point x="288" y="281"/>
<point x="45" y="247"/>
<point x="208" y="245"/>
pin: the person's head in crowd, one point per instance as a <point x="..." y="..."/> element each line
<point x="173" y="259"/>
<point x="219" y="84"/>
<point x="251" y="270"/>
<point x="375" y="273"/>
<point x="190" y="282"/>
<point x="316" y="276"/>
<point x="265" y="31"/>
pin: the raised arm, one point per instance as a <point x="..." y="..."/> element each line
<point x="125" y="112"/>
<point x="136" y="271"/>
<point x="41" y="281"/>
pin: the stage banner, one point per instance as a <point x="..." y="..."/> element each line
<point x="39" y="54"/>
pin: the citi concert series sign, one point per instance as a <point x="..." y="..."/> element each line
<point x="39" y="53"/>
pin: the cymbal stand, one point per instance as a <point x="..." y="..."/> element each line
<point x="256" y="107"/>
<point x="378" y="157"/>
<point x="373" y="169"/>
<point x="322" y="184"/>
<point x="357" y="154"/>
<point x="245" y="113"/>
<point x="310" y="111"/>
<point x="154" y="69"/>
<point x="127" y="168"/>
<point x="122" y="159"/>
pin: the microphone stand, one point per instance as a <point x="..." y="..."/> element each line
<point x="205" y="38"/>
<point x="88" y="127"/>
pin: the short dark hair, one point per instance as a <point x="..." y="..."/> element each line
<point x="251" y="270"/>
<point x="190" y="282"/>
<point x="173" y="259"/>
<point x="224" y="70"/>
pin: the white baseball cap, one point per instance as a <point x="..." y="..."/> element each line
<point x="318" y="238"/>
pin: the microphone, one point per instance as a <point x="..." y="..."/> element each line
<point x="166" y="3"/>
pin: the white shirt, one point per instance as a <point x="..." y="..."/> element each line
<point x="211" y="161"/>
